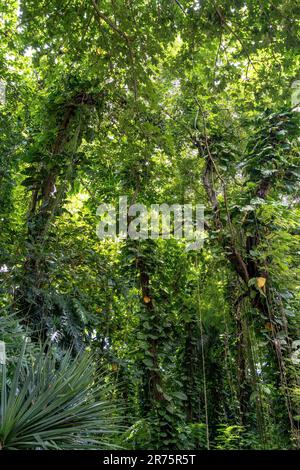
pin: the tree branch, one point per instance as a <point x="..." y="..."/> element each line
<point x="125" y="38"/>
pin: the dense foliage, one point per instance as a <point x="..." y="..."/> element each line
<point x="142" y="344"/>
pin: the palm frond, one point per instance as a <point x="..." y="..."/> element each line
<point x="51" y="405"/>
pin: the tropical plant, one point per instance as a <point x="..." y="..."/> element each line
<point x="175" y="102"/>
<point x="51" y="404"/>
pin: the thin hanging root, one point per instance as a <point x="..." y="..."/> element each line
<point x="203" y="361"/>
<point x="283" y="376"/>
<point x="259" y="406"/>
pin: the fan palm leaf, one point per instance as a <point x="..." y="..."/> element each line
<point x="52" y="405"/>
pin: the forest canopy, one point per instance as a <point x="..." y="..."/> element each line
<point x="138" y="342"/>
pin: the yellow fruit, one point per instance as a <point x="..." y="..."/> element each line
<point x="261" y="281"/>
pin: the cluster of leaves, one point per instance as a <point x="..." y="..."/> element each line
<point x="136" y="98"/>
<point x="55" y="402"/>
